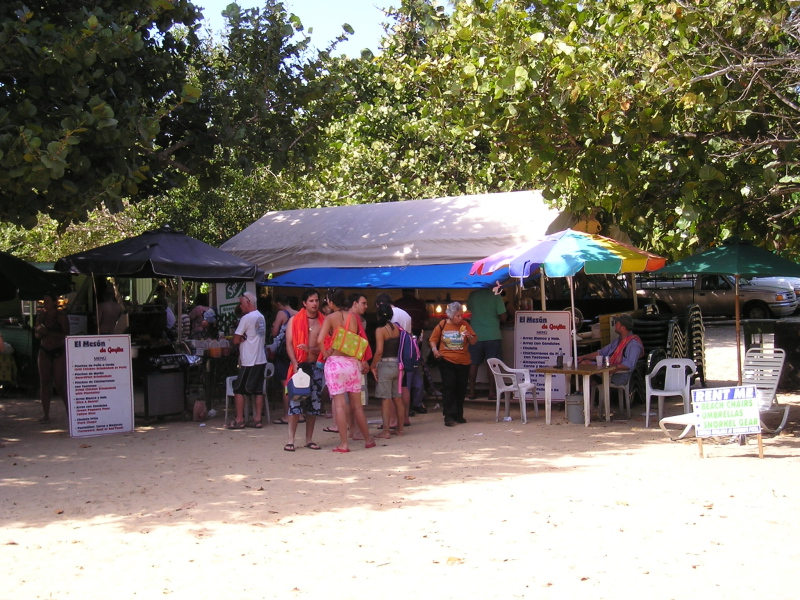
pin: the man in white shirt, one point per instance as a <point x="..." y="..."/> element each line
<point x="250" y="336"/>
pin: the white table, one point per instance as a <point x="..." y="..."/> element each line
<point x="585" y="370"/>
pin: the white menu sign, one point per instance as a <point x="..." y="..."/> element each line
<point x="539" y="338"/>
<point x="99" y="384"/>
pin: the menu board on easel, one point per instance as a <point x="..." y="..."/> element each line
<point x="539" y="338"/>
<point x="99" y="385"/>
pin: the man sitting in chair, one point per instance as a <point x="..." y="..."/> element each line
<point x="623" y="353"/>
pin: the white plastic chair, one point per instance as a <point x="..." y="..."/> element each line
<point x="623" y="395"/>
<point x="268" y="372"/>
<point x="762" y="368"/>
<point x="686" y="420"/>
<point x="677" y="381"/>
<point x="510" y="381"/>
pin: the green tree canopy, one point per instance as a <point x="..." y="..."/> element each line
<point x="93" y="101"/>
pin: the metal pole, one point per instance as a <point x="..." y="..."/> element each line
<point x="738" y="333"/>
<point x="574" y="325"/>
<point x="541" y="288"/>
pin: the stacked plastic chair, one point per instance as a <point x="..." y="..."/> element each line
<point x="696" y="342"/>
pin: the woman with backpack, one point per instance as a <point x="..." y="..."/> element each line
<point x="385" y="368"/>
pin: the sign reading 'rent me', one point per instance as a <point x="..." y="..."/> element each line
<point x="726" y="411"/>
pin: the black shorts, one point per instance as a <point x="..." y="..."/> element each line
<point x="250" y="380"/>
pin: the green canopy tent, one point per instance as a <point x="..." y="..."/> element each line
<point x="738" y="258"/>
<point x="18" y="277"/>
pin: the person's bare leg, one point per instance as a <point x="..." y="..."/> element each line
<point x="340" y="418"/>
<point x="310" y="420"/>
<point x="354" y="433"/>
<point x="360" y="418"/>
<point x="239" y="400"/>
<point x="392" y="420"/>
<point x="399" y="404"/>
<point x="406" y="398"/>
<point x="492" y="385"/>
<point x="60" y="379"/>
<point x="293" y="421"/>
<point x="473" y="376"/>
<point x="259" y="402"/>
<point x="387" y="410"/>
<point x="285" y="399"/>
<point x="45" y="385"/>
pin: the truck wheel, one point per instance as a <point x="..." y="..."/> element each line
<point x="663" y="308"/>
<point x="757" y="310"/>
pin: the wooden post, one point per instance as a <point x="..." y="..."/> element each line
<point x="700" y="446"/>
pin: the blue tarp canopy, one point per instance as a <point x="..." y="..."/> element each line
<point x="415" y="276"/>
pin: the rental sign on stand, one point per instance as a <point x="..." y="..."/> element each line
<point x="727" y="411"/>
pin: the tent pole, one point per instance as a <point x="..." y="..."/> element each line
<point x="738" y="334"/>
<point x="541" y="288"/>
<point x="180" y="308"/>
<point x="633" y="287"/>
<point x="96" y="305"/>
<point x="572" y="319"/>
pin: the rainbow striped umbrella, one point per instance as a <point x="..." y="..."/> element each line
<point x="565" y="253"/>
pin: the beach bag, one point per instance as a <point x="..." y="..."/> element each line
<point x="299" y="385"/>
<point x="281" y="355"/>
<point x="408" y="351"/>
<point x="349" y="343"/>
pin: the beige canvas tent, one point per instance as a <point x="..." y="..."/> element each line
<point x="415" y="232"/>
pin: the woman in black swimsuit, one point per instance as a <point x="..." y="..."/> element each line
<point x="51" y="329"/>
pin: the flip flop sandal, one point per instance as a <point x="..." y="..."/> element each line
<point x="312" y="446"/>
<point x="372" y="445"/>
<point x="342" y="450"/>
<point x="235" y="425"/>
<point x="279" y="422"/>
<point x="289" y="447"/>
<point x="258" y="425"/>
<point x="329" y="430"/>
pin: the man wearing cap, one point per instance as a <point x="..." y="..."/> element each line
<point x="249" y="336"/>
<point x="623" y="353"/>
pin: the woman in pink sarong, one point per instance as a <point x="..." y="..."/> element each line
<point x="343" y="372"/>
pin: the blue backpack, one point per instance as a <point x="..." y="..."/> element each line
<point x="408" y="351"/>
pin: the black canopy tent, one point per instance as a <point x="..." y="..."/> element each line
<point x="163" y="252"/>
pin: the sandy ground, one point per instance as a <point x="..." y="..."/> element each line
<point x="498" y="510"/>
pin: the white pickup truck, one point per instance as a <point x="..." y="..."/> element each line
<point x="716" y="296"/>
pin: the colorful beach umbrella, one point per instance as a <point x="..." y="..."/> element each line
<point x="565" y="254"/>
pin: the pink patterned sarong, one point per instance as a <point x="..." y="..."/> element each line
<point x="342" y="375"/>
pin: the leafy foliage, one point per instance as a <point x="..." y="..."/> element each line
<point x="93" y="104"/>
<point x="675" y="120"/>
